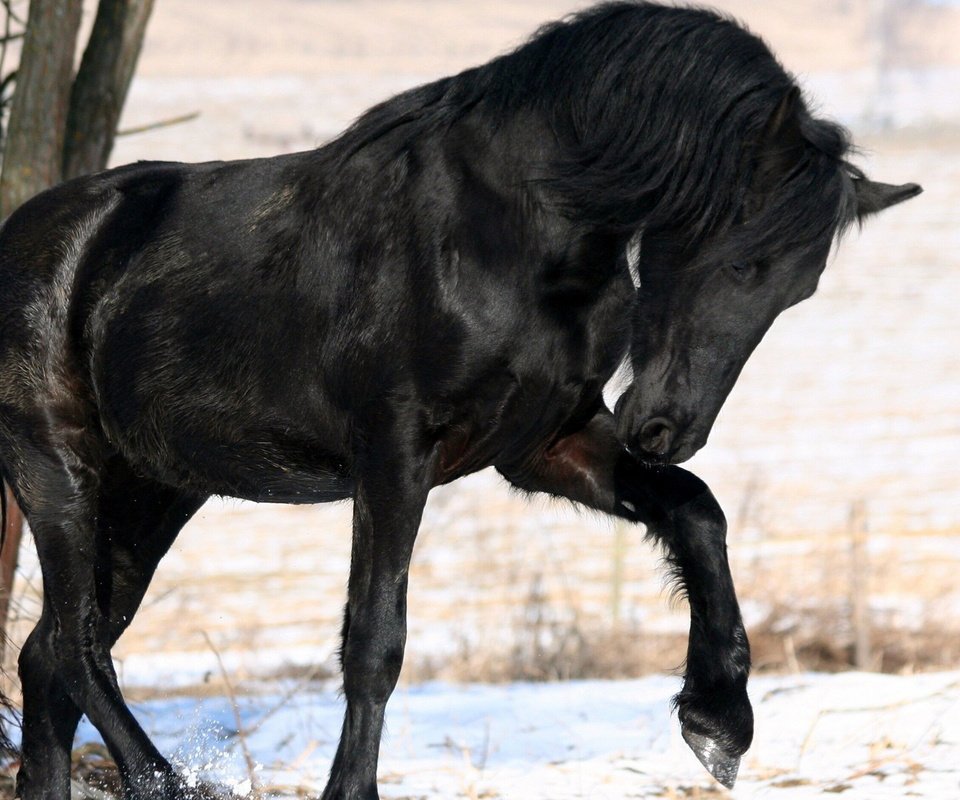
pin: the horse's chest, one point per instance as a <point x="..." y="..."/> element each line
<point x="509" y="415"/>
<point x="550" y="373"/>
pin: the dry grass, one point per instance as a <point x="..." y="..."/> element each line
<point x="546" y="648"/>
<point x="611" y="654"/>
<point x="819" y="642"/>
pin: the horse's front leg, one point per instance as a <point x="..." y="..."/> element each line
<point x="590" y="466"/>
<point x="388" y="504"/>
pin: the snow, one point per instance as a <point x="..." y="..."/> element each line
<point x="866" y="736"/>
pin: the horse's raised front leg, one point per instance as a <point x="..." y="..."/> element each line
<point x="388" y="504"/>
<point x="590" y="466"/>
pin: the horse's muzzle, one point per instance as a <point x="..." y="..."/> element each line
<point x="653" y="438"/>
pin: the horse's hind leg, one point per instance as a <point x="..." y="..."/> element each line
<point x="135" y="522"/>
<point x="590" y="467"/>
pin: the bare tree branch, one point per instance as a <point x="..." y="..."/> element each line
<point x="162" y="123"/>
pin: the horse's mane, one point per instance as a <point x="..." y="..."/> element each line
<point x="652" y="107"/>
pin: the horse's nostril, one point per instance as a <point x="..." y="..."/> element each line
<point x="656" y="435"/>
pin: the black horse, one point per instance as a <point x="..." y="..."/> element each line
<point x="442" y="288"/>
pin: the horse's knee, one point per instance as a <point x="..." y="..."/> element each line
<point x="372" y="659"/>
<point x="703" y="524"/>
<point x="371" y="674"/>
<point x="694" y="525"/>
<point x="694" y="506"/>
<point x="687" y="519"/>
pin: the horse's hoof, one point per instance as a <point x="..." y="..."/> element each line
<point x="721" y="765"/>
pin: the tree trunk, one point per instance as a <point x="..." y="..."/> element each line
<point x="33" y="155"/>
<point x="32" y="162"/>
<point x="101" y="85"/>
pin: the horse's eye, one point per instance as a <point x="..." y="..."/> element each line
<point x="743" y="271"/>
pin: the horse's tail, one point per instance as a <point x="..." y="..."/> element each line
<point x="7" y="747"/>
<point x="4" y="483"/>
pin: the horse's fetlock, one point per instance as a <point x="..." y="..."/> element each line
<point x="159" y="781"/>
<point x="719" y="668"/>
<point x="342" y="786"/>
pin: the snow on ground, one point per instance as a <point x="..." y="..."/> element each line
<point x="865" y="736"/>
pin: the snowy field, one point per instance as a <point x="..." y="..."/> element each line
<point x="862" y="736"/>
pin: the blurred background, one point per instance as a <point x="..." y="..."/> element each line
<point x="835" y="457"/>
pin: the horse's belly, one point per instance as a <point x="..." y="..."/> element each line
<point x="259" y="476"/>
<point x="264" y="466"/>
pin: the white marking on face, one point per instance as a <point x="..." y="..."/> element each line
<point x="633" y="258"/>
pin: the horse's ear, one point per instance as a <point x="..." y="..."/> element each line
<point x="780" y="145"/>
<point x="873" y="196"/>
<point x="783" y="127"/>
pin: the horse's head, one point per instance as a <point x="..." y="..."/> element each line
<point x="704" y="303"/>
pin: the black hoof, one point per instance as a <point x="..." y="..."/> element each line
<point x="718" y="727"/>
<point x="721" y="765"/>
